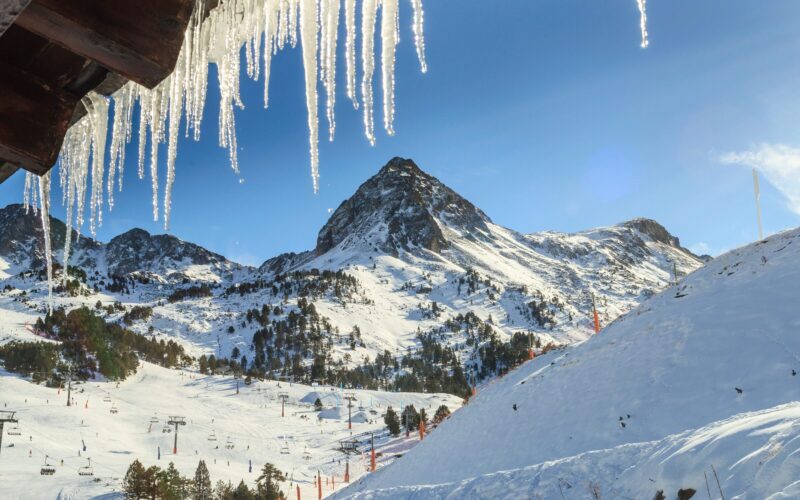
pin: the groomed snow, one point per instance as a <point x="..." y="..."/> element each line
<point x="251" y="420"/>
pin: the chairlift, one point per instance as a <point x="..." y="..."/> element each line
<point x="114" y="409"/>
<point x="153" y="419"/>
<point x="87" y="470"/>
<point x="306" y="454"/>
<point x="14" y="430"/>
<point x="166" y="429"/>
<point x="212" y="436"/>
<point x="285" y="448"/>
<point x="107" y="398"/>
<point x="229" y="444"/>
<point x="47" y="469"/>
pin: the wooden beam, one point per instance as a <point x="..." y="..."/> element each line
<point x="35" y="117"/>
<point x="6" y="171"/>
<point x="139" y="39"/>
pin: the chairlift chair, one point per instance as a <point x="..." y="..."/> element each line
<point x="87" y="470"/>
<point x="114" y="409"/>
<point x="212" y="436"/>
<point x="14" y="430"/>
<point x="107" y="398"/>
<point x="153" y="419"/>
<point x="47" y="469"/>
<point x="285" y="449"/>
<point x="306" y="455"/>
<point x="229" y="444"/>
<point x="166" y="429"/>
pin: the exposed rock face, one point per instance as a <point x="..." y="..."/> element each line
<point x="400" y="208"/>
<point x="22" y="243"/>
<point x="22" y="238"/>
<point x="138" y="250"/>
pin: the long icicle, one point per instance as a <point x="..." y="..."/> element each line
<point x="44" y="200"/>
<point x="389" y="37"/>
<point x="643" y="22"/>
<point x="369" y="10"/>
<point x="419" y="33"/>
<point x="309" y="29"/>
<point x="350" y="49"/>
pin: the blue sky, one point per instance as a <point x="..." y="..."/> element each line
<point x="545" y="113"/>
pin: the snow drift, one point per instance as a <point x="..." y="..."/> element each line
<point x="704" y="374"/>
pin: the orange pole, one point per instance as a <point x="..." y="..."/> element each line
<point x="347" y="472"/>
<point x="421" y="429"/>
<point x="319" y="485"/>
<point x="596" y="317"/>
<point x="298" y="492"/>
<point x="372" y="461"/>
<point x="333" y="482"/>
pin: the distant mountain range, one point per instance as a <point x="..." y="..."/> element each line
<point x="421" y="254"/>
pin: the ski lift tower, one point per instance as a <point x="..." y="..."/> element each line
<point x="284" y="397"/>
<point x="6" y="416"/>
<point x="176" y="421"/>
<point x="350" y="397"/>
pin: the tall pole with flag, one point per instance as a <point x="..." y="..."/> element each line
<point x="758" y="204"/>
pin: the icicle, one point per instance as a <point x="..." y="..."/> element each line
<point x="44" y="200"/>
<point x="330" y="27"/>
<point x="369" y="10"/>
<point x="350" y="49"/>
<point x="26" y="192"/>
<point x="143" y="95"/>
<point x="120" y="136"/>
<point x="175" y="106"/>
<point x="419" y="33"/>
<point x="388" y="51"/>
<point x="271" y="19"/>
<point x="643" y="21"/>
<point x="309" y="27"/>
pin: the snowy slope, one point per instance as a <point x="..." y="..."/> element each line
<point x="702" y="374"/>
<point x="299" y="444"/>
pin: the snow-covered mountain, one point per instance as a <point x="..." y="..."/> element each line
<point x="698" y="384"/>
<point x="164" y="257"/>
<point x="420" y="254"/>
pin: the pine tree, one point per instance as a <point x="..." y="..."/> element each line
<point x="170" y="484"/>
<point x="202" y="482"/>
<point x="267" y="483"/>
<point x="242" y="492"/>
<point x="134" y="482"/>
<point x="441" y="413"/>
<point x="392" y="421"/>
<point x="317" y="405"/>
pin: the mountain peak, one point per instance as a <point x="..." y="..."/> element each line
<point x="654" y="230"/>
<point x="401" y="208"/>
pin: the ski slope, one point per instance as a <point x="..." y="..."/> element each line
<point x="299" y="444"/>
<point x="704" y="374"/>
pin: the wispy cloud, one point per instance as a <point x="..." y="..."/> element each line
<point x="779" y="164"/>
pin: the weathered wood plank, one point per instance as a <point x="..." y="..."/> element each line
<point x="139" y="39"/>
<point x="35" y="117"/>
